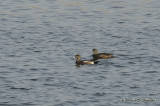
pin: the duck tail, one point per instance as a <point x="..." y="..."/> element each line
<point x="96" y="61"/>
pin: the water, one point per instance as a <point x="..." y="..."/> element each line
<point x="38" y="39"/>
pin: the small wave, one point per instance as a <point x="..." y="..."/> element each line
<point x="19" y="88"/>
<point x="151" y="72"/>
<point x="99" y="94"/>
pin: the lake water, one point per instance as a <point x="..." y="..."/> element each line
<point x="39" y="38"/>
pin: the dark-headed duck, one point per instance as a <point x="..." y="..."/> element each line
<point x="97" y="55"/>
<point x="83" y="62"/>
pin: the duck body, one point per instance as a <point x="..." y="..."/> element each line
<point x="102" y="56"/>
<point x="83" y="62"/>
<point x="97" y="55"/>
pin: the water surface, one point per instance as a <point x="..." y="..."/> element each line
<point x="39" y="38"/>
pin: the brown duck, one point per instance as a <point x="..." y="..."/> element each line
<point x="97" y="55"/>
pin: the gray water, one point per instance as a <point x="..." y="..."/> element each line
<point x="39" y="38"/>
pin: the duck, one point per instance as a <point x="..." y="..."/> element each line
<point x="83" y="62"/>
<point x="97" y="55"/>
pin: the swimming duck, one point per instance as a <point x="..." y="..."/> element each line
<point x="97" y="55"/>
<point x="83" y="62"/>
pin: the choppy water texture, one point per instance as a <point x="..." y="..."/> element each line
<point x="38" y="39"/>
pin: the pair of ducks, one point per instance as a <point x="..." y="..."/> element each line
<point x="95" y="55"/>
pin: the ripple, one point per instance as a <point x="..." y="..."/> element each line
<point x="125" y="73"/>
<point x="19" y="88"/>
<point x="28" y="104"/>
<point x="134" y="87"/>
<point x="154" y="94"/>
<point x="151" y="72"/>
<point x="99" y="94"/>
<point x="11" y="55"/>
<point x="7" y="104"/>
<point x="120" y="22"/>
<point x="34" y="69"/>
<point x="76" y="87"/>
<point x="37" y="51"/>
<point x="118" y="65"/>
<point x="3" y="66"/>
<point x="157" y="61"/>
<point x="117" y="86"/>
<point x="130" y="62"/>
<point x="33" y="79"/>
